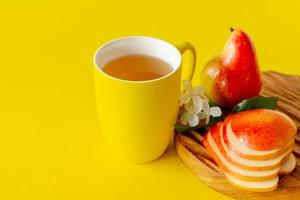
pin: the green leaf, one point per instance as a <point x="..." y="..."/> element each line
<point x="182" y="128"/>
<point x="213" y="121"/>
<point x="256" y="102"/>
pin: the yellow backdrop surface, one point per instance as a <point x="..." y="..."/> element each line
<point x="50" y="143"/>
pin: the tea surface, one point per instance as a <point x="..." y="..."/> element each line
<point x="137" y="68"/>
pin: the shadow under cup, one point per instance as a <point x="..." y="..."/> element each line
<point x="137" y="117"/>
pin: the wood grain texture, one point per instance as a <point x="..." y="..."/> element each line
<point x="195" y="157"/>
<point x="287" y="88"/>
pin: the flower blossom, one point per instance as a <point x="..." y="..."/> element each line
<point x="196" y="106"/>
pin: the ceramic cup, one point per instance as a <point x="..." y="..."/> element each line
<point x="137" y="117"/>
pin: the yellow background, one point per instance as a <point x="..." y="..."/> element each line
<point x="50" y="143"/>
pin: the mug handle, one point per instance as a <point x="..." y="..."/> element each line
<point x="183" y="48"/>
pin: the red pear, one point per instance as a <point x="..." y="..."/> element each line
<point x="234" y="75"/>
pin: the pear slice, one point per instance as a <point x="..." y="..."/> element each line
<point x="235" y="171"/>
<point x="288" y="166"/>
<point x="262" y="131"/>
<point x="242" y="150"/>
<point x="251" y="164"/>
<point x="253" y="148"/>
<point x="258" y="186"/>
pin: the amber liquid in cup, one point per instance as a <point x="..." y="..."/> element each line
<point x="137" y="68"/>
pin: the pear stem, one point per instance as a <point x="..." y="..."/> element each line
<point x="231" y="29"/>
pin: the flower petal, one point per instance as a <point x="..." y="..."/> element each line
<point x="185" y="97"/>
<point x="215" y="111"/>
<point x="187" y="86"/>
<point x="193" y="120"/>
<point x="196" y="109"/>
<point x="198" y="102"/>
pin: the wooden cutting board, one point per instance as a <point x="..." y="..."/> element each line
<point x="195" y="157"/>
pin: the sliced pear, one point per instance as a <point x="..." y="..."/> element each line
<point x="288" y="166"/>
<point x="253" y="148"/>
<point x="263" y="129"/>
<point x="250" y="163"/>
<point x="242" y="150"/>
<point x="237" y="172"/>
<point x="258" y="186"/>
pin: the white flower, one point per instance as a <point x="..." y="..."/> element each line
<point x="196" y="106"/>
<point x="189" y="118"/>
<point x="204" y="114"/>
<point x="215" y="111"/>
<point x="191" y="93"/>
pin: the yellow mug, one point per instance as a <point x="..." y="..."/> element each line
<point x="137" y="117"/>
